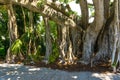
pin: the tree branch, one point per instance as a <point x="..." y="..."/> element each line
<point x="84" y="11"/>
<point x="45" y="11"/>
<point x="58" y="7"/>
<point x="99" y="14"/>
<point x="106" y="9"/>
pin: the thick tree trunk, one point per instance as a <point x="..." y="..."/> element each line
<point x="102" y="42"/>
<point x="119" y="36"/>
<point x="92" y="32"/>
<point x="115" y="36"/>
<point x="63" y="43"/>
<point x="13" y="34"/>
<point x="103" y="51"/>
<point x="85" y="15"/>
<point x="70" y="55"/>
<point x="48" y="40"/>
<point x="66" y="46"/>
<point x="61" y="39"/>
<point x="76" y="38"/>
<point x="108" y="41"/>
<point x="106" y="9"/>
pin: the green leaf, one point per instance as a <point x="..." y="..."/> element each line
<point x="16" y="46"/>
<point x="66" y="1"/>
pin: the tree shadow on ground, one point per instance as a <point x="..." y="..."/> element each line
<point x="20" y="72"/>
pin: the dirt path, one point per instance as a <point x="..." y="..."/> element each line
<point x="20" y="72"/>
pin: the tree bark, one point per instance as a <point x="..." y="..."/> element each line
<point x="30" y="33"/>
<point x="66" y="46"/>
<point x="24" y="19"/>
<point x="45" y="10"/>
<point x="13" y="34"/>
<point x="93" y="31"/>
<point x="106" y="9"/>
<point x="119" y="36"/>
<point x="108" y="40"/>
<point x="31" y="44"/>
<point x="115" y="35"/>
<point x="48" y="40"/>
<point x="85" y="14"/>
<point x="76" y="38"/>
<point x="63" y="43"/>
<point x="69" y="54"/>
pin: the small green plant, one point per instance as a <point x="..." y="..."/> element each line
<point x="16" y="46"/>
<point x="53" y="57"/>
<point x="36" y="57"/>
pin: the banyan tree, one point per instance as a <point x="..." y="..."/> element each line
<point x="77" y="38"/>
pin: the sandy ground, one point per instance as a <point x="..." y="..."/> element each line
<point x="21" y="72"/>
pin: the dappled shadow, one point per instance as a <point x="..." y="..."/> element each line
<point x="106" y="76"/>
<point x="20" y="72"/>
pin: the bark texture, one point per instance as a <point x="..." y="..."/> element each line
<point x="13" y="34"/>
<point x="92" y="31"/>
<point x="84" y="11"/>
<point x="48" y="39"/>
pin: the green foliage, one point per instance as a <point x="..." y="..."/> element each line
<point x="36" y="18"/>
<point x="19" y="19"/>
<point x="53" y="27"/>
<point x="41" y="29"/>
<point x="4" y="43"/>
<point x="91" y="8"/>
<point x="2" y="52"/>
<point x="72" y="12"/>
<point x="41" y="37"/>
<point x="77" y="1"/>
<point x="16" y="46"/>
<point x="66" y="1"/>
<point x="40" y="3"/>
<point x="55" y="54"/>
<point x="36" y="57"/>
<point x="3" y="20"/>
<point x="25" y="37"/>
